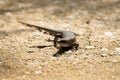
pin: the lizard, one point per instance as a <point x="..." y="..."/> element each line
<point x="62" y="38"/>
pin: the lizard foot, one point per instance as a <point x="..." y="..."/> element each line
<point x="75" y="47"/>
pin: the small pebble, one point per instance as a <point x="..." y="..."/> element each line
<point x="90" y="47"/>
<point x="103" y="55"/>
<point x="114" y="61"/>
<point x="106" y="18"/>
<point x="104" y="49"/>
<point x="71" y="57"/>
<point x="30" y="51"/>
<point x="9" y="14"/>
<point x="117" y="50"/>
<point x="37" y="33"/>
<point x="38" y="72"/>
<point x="109" y="34"/>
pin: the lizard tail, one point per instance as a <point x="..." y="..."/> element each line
<point x="51" y="31"/>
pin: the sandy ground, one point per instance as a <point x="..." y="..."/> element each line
<point x="96" y="21"/>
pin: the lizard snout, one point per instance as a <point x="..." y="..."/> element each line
<point x="59" y="39"/>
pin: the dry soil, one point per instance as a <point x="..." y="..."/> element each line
<point x="25" y="53"/>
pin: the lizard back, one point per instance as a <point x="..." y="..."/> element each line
<point x="51" y="31"/>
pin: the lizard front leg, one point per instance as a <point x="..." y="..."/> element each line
<point x="57" y="36"/>
<point x="55" y="44"/>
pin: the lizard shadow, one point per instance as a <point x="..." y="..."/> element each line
<point x="40" y="47"/>
<point x="62" y="51"/>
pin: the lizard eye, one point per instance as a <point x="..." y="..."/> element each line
<point x="59" y="35"/>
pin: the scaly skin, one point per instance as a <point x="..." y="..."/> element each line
<point x="62" y="38"/>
